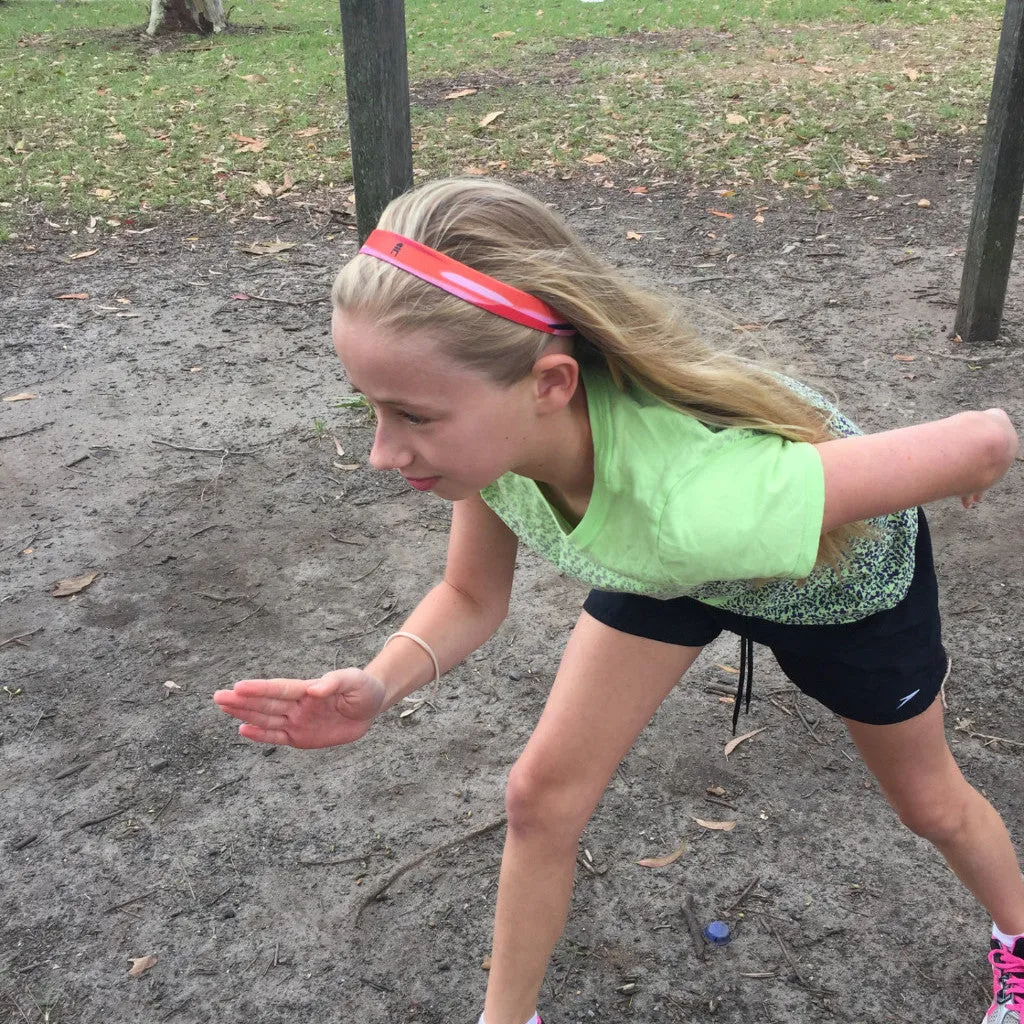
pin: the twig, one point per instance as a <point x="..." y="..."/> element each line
<point x="105" y="817"/>
<point x="245" y="618"/>
<point x="134" y="899"/>
<point x="206" y="451"/>
<point x="73" y="770"/>
<point x="992" y="739"/>
<point x="807" y="725"/>
<point x="230" y="782"/>
<point x="22" y="843"/>
<point x="410" y="864"/>
<point x="359" y="858"/>
<point x="342" y="540"/>
<point x="720" y="803"/>
<point x="747" y="890"/>
<point x="785" y="952"/>
<point x="693" y="926"/>
<point x="20" y="636"/>
<point x="31" y="430"/>
<point x="358" y="579"/>
<point x="289" y="302"/>
<point x="976" y="360"/>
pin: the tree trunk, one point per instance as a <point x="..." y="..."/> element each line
<point x="203" y="16"/>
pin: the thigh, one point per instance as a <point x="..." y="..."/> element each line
<point x="911" y="760"/>
<point x="608" y="686"/>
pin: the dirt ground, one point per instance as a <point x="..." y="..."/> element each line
<point x="181" y="444"/>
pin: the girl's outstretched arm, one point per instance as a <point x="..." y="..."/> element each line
<point x="876" y="474"/>
<point x="455" y="618"/>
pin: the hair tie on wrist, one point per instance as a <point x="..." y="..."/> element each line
<point x="426" y="647"/>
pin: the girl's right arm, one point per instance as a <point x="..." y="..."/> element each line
<point x="454" y="618"/>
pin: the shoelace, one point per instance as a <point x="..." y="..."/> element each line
<point x="1012" y="971"/>
<point x="746" y="683"/>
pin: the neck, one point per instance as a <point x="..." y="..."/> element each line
<point x="564" y="457"/>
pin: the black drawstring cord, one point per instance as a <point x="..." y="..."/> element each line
<point x="746" y="683"/>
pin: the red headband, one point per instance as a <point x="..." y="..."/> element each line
<point x="464" y="282"/>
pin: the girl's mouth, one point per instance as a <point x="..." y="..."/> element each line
<point x="422" y="483"/>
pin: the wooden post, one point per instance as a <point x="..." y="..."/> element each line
<point x="998" y="197"/>
<point x="377" y="81"/>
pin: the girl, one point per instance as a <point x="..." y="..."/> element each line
<point x="551" y="400"/>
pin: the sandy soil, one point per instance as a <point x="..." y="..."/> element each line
<point x="181" y="444"/>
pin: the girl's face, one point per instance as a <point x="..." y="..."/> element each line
<point x="444" y="427"/>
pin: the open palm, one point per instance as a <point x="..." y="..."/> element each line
<point x="339" y="707"/>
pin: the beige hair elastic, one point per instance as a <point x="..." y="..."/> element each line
<point x="423" y="644"/>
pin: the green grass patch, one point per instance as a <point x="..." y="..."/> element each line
<point x="96" y="118"/>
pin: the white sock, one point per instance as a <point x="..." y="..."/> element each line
<point x="535" y="1019"/>
<point x="1006" y="940"/>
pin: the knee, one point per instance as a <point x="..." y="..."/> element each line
<point x="938" y="818"/>
<point x="538" y="800"/>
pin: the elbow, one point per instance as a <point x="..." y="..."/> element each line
<point x="998" y="444"/>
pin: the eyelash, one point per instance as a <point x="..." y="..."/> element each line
<point x="412" y="419"/>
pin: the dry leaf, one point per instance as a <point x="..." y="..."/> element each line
<point x="718" y="826"/>
<point x="758" y="218"/>
<point x="267" y="248"/>
<point x="595" y="158"/>
<point x="486" y="965"/>
<point x="459" y="93"/>
<point x="748" y="327"/>
<point x="912" y="73"/>
<point x="733" y="744"/>
<point x="661" y="862"/>
<point x="634" y="236"/>
<point x="733" y="118"/>
<point x="348" y="467"/>
<point x="141" y="964"/>
<point x="502" y="35"/>
<point x="490" y="118"/>
<point x="249" y="144"/>
<point x="171" y="685"/>
<point x="715" y="791"/>
<point x="905" y="359"/>
<point x="65" y="588"/>
<point x="287" y="185"/>
<point x="637" y="190"/>
<point x="263" y="188"/>
<point x="102" y="193"/>
<point x="22" y="396"/>
<point x="83" y="255"/>
<point x="477" y="172"/>
<point x="74" y="295"/>
<point x="924" y="203"/>
<point x="721" y="213"/>
<point x="306" y="133"/>
<point x="909" y="158"/>
<point x="821" y="69"/>
<point x="727" y="668"/>
<point x="254" y="79"/>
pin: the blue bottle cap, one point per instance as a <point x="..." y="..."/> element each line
<point x="717" y="932"/>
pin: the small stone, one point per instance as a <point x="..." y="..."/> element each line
<point x="159" y="766"/>
<point x="227" y="913"/>
<point x="515" y="675"/>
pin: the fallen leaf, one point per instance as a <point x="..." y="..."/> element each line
<point x="474" y="170"/>
<point x="715" y="791"/>
<point x="287" y="185"/>
<point x="74" y="295"/>
<point x="254" y="79"/>
<point x="171" y="685"/>
<point x="721" y="213"/>
<point x="821" y="69"/>
<point x="249" y="144"/>
<point x="348" y="467"/>
<point x="267" y="248"/>
<point x="912" y="73"/>
<point x="718" y="826"/>
<point x="661" y="862"/>
<point x="306" y="133"/>
<point x="727" y="668"/>
<point x="240" y="296"/>
<point x="460" y="93"/>
<point x="102" y="193"/>
<point x="65" y="588"/>
<point x="924" y="203"/>
<point x="83" y="255"/>
<point x="595" y="158"/>
<point x="637" y="190"/>
<point x="748" y="327"/>
<point x="263" y="188"/>
<point x="758" y="218"/>
<point x="733" y="744"/>
<point x="502" y="35"/>
<point x="337" y="446"/>
<point x="486" y="965"/>
<point x="905" y="359"/>
<point x="909" y="158"/>
<point x="490" y="118"/>
<point x="22" y="396"/>
<point x="733" y="118"/>
<point x="634" y="236"/>
<point x="141" y="964"/>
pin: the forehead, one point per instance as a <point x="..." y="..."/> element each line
<point x="398" y="368"/>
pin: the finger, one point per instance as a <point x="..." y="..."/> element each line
<point x="280" y="689"/>
<point x="251" y="717"/>
<point x="276" y="736"/>
<point x="228" y="699"/>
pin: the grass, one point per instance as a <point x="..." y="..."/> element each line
<point x="98" y="120"/>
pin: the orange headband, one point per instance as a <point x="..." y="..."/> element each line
<point x="464" y="282"/>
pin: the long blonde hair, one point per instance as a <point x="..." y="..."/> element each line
<point x="641" y="336"/>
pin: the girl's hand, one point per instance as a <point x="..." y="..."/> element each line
<point x="339" y="707"/>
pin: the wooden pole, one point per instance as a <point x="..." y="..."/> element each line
<point x="997" y="200"/>
<point x="377" y="82"/>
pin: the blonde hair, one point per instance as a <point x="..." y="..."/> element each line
<point x="641" y="336"/>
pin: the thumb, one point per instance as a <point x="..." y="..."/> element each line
<point x="331" y="683"/>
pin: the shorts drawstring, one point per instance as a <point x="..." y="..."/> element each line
<point x="746" y="679"/>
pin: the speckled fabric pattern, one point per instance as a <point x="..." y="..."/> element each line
<point x="874" y="578"/>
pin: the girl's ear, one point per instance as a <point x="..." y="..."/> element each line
<point x="555" y="376"/>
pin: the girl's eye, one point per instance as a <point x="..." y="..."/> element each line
<point x="412" y="419"/>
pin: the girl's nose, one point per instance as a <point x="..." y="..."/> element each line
<point x="386" y="453"/>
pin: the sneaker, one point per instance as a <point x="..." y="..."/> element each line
<point x="1007" y="984"/>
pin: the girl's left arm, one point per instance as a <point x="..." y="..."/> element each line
<point x="876" y="474"/>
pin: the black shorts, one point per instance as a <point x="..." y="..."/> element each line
<point x="883" y="669"/>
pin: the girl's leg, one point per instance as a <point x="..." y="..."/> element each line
<point x="913" y="765"/>
<point x="608" y="686"/>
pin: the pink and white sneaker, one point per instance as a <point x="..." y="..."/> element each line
<point x="1007" y="984"/>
